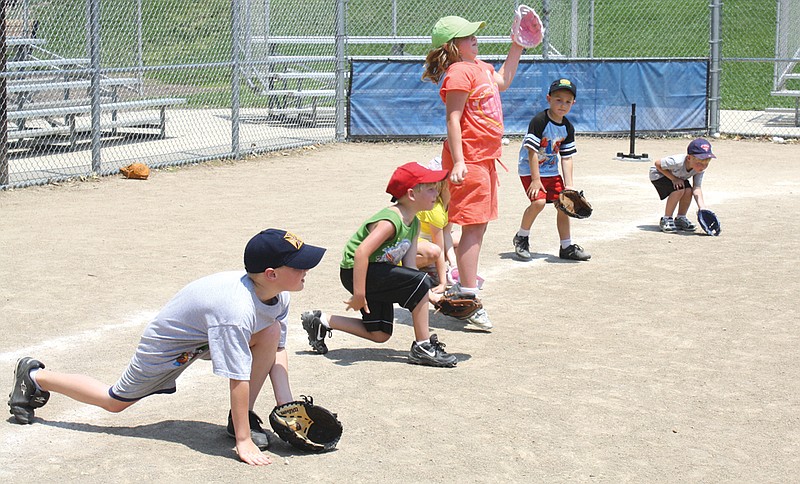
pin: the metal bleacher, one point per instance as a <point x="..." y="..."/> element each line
<point x="787" y="51"/>
<point x="783" y="78"/>
<point x="302" y="88"/>
<point x="49" y="99"/>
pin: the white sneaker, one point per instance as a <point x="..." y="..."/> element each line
<point x="480" y="320"/>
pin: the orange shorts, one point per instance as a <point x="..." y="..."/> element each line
<point x="474" y="201"/>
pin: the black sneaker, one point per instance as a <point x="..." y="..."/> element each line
<point x="316" y="330"/>
<point x="431" y="353"/>
<point x="259" y="436"/>
<point x="25" y="397"/>
<point x="522" y="247"/>
<point x="574" y="252"/>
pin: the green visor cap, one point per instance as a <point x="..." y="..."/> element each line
<point x="449" y="28"/>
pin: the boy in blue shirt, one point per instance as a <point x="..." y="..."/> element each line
<point x="550" y="138"/>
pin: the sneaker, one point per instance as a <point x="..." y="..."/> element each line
<point x="454" y="289"/>
<point x="431" y="353"/>
<point x="316" y="330"/>
<point x="684" y="224"/>
<point x="480" y="320"/>
<point x="258" y="434"/>
<point x="522" y="247"/>
<point x="667" y="224"/>
<point x="574" y="252"/>
<point x="25" y="397"/>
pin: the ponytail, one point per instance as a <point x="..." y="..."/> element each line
<point x="438" y="60"/>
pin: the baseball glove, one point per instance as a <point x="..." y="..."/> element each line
<point x="458" y="305"/>
<point x="574" y="204"/>
<point x="526" y="30"/>
<point x="708" y="222"/>
<point x="137" y="171"/>
<point x="306" y="426"/>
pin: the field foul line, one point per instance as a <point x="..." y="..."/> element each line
<point x="77" y="339"/>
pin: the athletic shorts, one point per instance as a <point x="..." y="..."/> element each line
<point x="474" y="201"/>
<point x="142" y="379"/>
<point x="664" y="186"/>
<point x="552" y="184"/>
<point x="151" y="373"/>
<point x="388" y="284"/>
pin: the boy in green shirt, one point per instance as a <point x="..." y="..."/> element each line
<point x="371" y="270"/>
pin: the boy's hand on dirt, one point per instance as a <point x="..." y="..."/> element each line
<point x="252" y="455"/>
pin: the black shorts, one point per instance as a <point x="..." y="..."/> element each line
<point x="664" y="186"/>
<point x="388" y="284"/>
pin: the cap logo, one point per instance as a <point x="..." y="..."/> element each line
<point x="706" y="147"/>
<point x="293" y="239"/>
<point x="564" y="82"/>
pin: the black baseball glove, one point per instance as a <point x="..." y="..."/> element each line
<point x="306" y="426"/>
<point x="573" y="203"/>
<point x="708" y="222"/>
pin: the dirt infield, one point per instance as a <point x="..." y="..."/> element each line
<point x="666" y="358"/>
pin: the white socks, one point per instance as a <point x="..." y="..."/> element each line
<point x="323" y="318"/>
<point x="566" y="243"/>
<point x="32" y="374"/>
<point x="523" y="233"/>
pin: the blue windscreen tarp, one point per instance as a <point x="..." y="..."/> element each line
<point x="389" y="99"/>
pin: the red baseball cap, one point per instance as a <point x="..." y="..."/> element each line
<point x="410" y="175"/>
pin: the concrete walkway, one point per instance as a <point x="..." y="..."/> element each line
<point x="204" y="134"/>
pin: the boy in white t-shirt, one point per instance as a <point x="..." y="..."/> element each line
<point x="670" y="175"/>
<point x="236" y="319"/>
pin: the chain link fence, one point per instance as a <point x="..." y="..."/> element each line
<point x="92" y="86"/>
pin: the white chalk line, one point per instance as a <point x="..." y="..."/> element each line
<point x="76" y="339"/>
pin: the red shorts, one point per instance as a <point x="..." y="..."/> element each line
<point x="552" y="184"/>
<point x="474" y="201"/>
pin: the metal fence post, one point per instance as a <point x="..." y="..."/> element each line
<point x="341" y="69"/>
<point x="714" y="73"/>
<point x="4" y="104"/>
<point x="235" y="74"/>
<point x="139" y="46"/>
<point x="591" y="29"/>
<point x="94" y="60"/>
<point x="546" y="24"/>
<point x="574" y="29"/>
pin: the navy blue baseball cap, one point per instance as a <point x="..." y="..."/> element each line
<point x="275" y="248"/>
<point x="562" y="83"/>
<point x="700" y="148"/>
